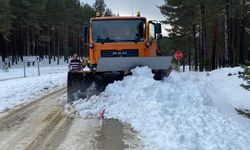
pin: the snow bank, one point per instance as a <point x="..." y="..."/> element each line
<point x="178" y="113"/>
<point x="227" y="86"/>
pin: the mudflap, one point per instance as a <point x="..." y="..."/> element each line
<point x="84" y="85"/>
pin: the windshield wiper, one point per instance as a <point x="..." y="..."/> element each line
<point x="109" y="40"/>
<point x="105" y="40"/>
<point x="132" y="40"/>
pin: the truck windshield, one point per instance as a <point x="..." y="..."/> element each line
<point x="118" y="30"/>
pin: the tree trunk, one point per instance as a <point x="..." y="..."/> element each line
<point x="195" y="49"/>
<point x="243" y="46"/>
<point x="2" y="47"/>
<point x="226" y="34"/>
<point x="28" y="42"/>
<point x="32" y="43"/>
<point x="214" y="64"/>
<point x="189" y="52"/>
<point x="48" y="43"/>
<point x="242" y="40"/>
<point x="58" y="48"/>
<point x="230" y="43"/>
<point x="202" y="34"/>
<point x="65" y="43"/>
<point x="54" y="44"/>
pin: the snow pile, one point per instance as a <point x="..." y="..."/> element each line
<point x="177" y="113"/>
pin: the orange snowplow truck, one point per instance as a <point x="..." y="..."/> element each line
<point x="116" y="45"/>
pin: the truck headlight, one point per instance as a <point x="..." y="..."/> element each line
<point x="147" y="44"/>
<point x="91" y="45"/>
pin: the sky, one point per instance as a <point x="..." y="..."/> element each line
<point x="147" y="8"/>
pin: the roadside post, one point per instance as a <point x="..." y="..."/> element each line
<point x="178" y="55"/>
<point x="31" y="59"/>
<point x="6" y="64"/>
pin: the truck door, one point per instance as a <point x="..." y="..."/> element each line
<point x="154" y="36"/>
<point x="152" y="39"/>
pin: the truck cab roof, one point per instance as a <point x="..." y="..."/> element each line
<point x="117" y="18"/>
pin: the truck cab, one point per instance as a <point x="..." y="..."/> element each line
<point x="121" y="37"/>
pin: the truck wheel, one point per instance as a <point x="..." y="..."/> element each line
<point x="158" y="75"/>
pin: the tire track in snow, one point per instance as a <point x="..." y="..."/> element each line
<point x="42" y="124"/>
<point x="15" y="117"/>
<point x="36" y="121"/>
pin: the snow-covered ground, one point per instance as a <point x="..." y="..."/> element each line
<point x="17" y="70"/>
<point x="185" y="111"/>
<point x="190" y="110"/>
<point x="16" y="90"/>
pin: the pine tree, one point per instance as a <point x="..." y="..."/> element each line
<point x="217" y="29"/>
<point x="5" y="18"/>
<point x="5" y="26"/>
<point x="100" y="7"/>
<point x="108" y="12"/>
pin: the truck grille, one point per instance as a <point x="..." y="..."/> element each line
<point x="120" y="53"/>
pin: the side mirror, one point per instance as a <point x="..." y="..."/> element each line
<point x="158" y="28"/>
<point x="85" y="34"/>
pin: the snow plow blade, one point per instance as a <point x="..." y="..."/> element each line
<point x="77" y="82"/>
<point x="82" y="85"/>
<point x="128" y="63"/>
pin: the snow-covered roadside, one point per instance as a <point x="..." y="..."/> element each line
<point x="219" y="82"/>
<point x="18" y="91"/>
<point x="17" y="71"/>
<point x="223" y="86"/>
<point x="182" y="112"/>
